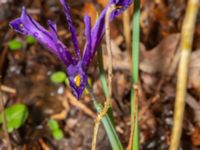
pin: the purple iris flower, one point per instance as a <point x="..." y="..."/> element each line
<point x="77" y="65"/>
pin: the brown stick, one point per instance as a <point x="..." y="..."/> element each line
<point x="5" y="88"/>
<point x="127" y="29"/>
<point x="108" y="99"/>
<point x="80" y="105"/>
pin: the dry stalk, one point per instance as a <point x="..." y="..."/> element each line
<point x="108" y="99"/>
<point x="127" y="29"/>
<point x="181" y="89"/>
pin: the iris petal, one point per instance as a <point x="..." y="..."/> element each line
<point x="28" y="26"/>
<point x="88" y="45"/>
<point x="73" y="71"/>
<point x="71" y="28"/>
<point x="53" y="29"/>
<point x="123" y="4"/>
<point x="99" y="27"/>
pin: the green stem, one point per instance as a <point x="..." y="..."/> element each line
<point x="135" y="69"/>
<point x="104" y="82"/>
<point x="107" y="123"/>
<point x="110" y="130"/>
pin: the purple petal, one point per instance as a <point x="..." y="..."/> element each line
<point x="99" y="27"/>
<point x="53" y="29"/>
<point x="123" y="4"/>
<point x="73" y="71"/>
<point x="28" y="26"/>
<point x="64" y="54"/>
<point x="87" y="50"/>
<point x="71" y="28"/>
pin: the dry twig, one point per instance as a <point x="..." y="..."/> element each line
<point x="108" y="99"/>
<point x="127" y="29"/>
<point x="5" y="88"/>
<point x="80" y="105"/>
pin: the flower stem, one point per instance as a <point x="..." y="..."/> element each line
<point x="107" y="103"/>
<point x="107" y="123"/>
<point x="135" y="73"/>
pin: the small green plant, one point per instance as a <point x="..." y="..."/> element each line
<point x="55" y="130"/>
<point x="30" y="40"/>
<point x="15" y="44"/>
<point x="58" y="77"/>
<point x="16" y="115"/>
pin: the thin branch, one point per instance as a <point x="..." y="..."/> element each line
<point x="127" y="29"/>
<point x="181" y="89"/>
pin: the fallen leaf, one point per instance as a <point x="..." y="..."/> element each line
<point x="158" y="59"/>
<point x="194" y="71"/>
<point x="196" y="137"/>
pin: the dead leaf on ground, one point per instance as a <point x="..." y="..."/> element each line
<point x="196" y="137"/>
<point x="159" y="58"/>
<point x="121" y="60"/>
<point x="193" y="103"/>
<point x="194" y="71"/>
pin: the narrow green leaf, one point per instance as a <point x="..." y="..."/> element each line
<point x="110" y="130"/>
<point x="135" y="69"/>
<point x="15" y="44"/>
<point x="16" y="115"/>
<point x="30" y="40"/>
<point x="58" y="77"/>
<point x="104" y="82"/>
<point x="102" y="72"/>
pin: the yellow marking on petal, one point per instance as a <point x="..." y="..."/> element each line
<point x="77" y="80"/>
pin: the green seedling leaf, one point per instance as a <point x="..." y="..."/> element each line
<point x="53" y="124"/>
<point x="30" y="40"/>
<point x="15" y="44"/>
<point x="57" y="134"/>
<point x="16" y="115"/>
<point x="55" y="130"/>
<point x="58" y="77"/>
